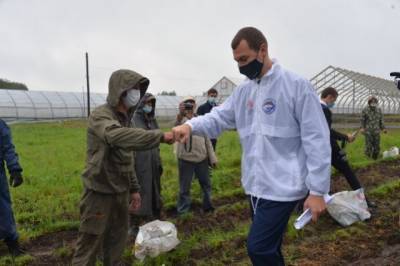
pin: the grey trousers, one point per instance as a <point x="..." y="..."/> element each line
<point x="186" y="172"/>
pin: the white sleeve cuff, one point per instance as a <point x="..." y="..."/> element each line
<point x="190" y="125"/>
<point x="315" y="193"/>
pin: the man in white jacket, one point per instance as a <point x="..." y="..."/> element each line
<point x="284" y="138"/>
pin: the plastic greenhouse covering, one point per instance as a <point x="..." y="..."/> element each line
<point x="48" y="105"/>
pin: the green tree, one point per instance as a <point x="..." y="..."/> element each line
<point x="11" y="85"/>
<point x="166" y="93"/>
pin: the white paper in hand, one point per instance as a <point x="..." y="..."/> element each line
<point x="306" y="216"/>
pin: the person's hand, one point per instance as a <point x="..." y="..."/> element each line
<point x="362" y="130"/>
<point x="168" y="138"/>
<point x="182" y="109"/>
<point x="136" y="202"/>
<point x="316" y="204"/>
<point x="350" y="138"/>
<point x="214" y="165"/>
<point x="385" y="131"/>
<point x="16" y="179"/>
<point x="182" y="133"/>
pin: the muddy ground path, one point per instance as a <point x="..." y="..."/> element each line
<point x="381" y="246"/>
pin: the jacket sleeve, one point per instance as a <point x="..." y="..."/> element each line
<point x="363" y="119"/>
<point x="8" y="149"/>
<point x="334" y="134"/>
<point x="381" y="123"/>
<point x="314" y="133"/>
<point x="133" y="182"/>
<point x="114" y="134"/>
<point x="212" y="157"/>
<point x="200" y="110"/>
<point x="337" y="135"/>
<point x="220" y="118"/>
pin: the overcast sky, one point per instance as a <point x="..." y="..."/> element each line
<point x="184" y="45"/>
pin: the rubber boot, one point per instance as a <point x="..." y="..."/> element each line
<point x="14" y="248"/>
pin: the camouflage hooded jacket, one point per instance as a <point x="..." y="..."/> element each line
<point x="372" y="120"/>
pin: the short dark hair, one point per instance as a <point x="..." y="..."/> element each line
<point x="254" y="37"/>
<point x="372" y="99"/>
<point x="212" y="90"/>
<point x="329" y="91"/>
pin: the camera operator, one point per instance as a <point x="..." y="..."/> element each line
<point x="396" y="76"/>
<point x="193" y="159"/>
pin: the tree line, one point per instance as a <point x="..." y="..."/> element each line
<point x="12" y="85"/>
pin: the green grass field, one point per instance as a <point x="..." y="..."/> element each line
<point x="53" y="155"/>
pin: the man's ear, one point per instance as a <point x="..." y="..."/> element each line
<point x="264" y="49"/>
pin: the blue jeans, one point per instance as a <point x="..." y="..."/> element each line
<point x="264" y="241"/>
<point x="186" y="172"/>
<point x="8" y="230"/>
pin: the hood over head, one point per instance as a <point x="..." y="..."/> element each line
<point x="123" y="80"/>
<point x="147" y="97"/>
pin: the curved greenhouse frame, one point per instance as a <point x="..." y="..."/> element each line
<point x="354" y="89"/>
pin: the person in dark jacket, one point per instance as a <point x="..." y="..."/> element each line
<point x="206" y="107"/>
<point x="8" y="229"/>
<point x="339" y="159"/>
<point x="148" y="166"/>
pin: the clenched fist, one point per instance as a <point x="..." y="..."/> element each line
<point x="168" y="138"/>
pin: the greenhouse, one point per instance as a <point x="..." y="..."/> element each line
<point x="355" y="89"/>
<point x="52" y="105"/>
<point x="48" y="105"/>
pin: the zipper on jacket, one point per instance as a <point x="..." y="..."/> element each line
<point x="258" y="126"/>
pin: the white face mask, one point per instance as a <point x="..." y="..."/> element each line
<point x="212" y="100"/>
<point x="147" y="108"/>
<point x="132" y="98"/>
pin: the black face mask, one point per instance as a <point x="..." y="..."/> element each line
<point x="252" y="70"/>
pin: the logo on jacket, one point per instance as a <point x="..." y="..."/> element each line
<point x="250" y="104"/>
<point x="269" y="106"/>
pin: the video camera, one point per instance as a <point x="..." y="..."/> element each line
<point x="188" y="106"/>
<point x="396" y="76"/>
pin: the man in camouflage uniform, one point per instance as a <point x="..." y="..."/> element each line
<point x="109" y="179"/>
<point x="371" y="126"/>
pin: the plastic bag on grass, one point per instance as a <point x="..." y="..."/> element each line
<point x="348" y="207"/>
<point x="392" y="152"/>
<point x="154" y="238"/>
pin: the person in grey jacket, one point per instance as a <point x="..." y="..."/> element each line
<point x="148" y="166"/>
<point x="194" y="158"/>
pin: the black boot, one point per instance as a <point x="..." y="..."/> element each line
<point x="14" y="248"/>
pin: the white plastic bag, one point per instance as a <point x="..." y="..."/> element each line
<point x="348" y="207"/>
<point x="154" y="238"/>
<point x="392" y="152"/>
